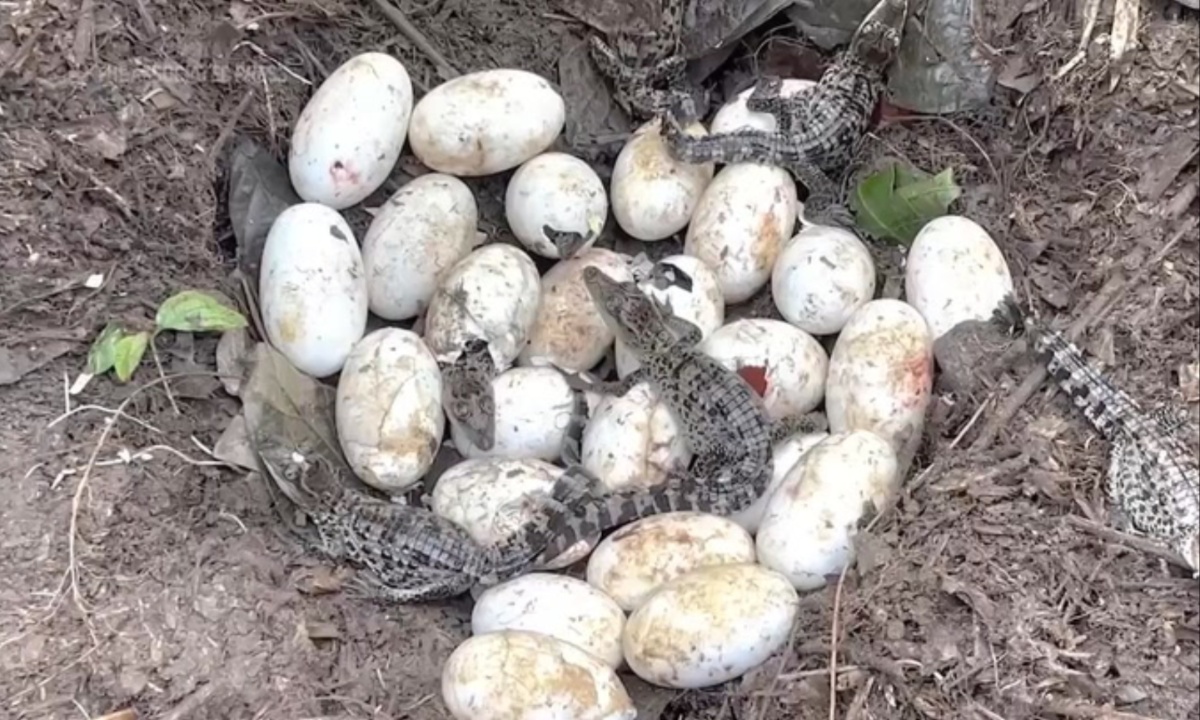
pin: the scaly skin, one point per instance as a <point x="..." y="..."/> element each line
<point x="819" y="129"/>
<point x="721" y="416"/>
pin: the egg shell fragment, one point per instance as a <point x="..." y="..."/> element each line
<point x="633" y="562"/>
<point x="955" y="272"/>
<point x="422" y="230"/>
<point x="557" y="190"/>
<point x="312" y="288"/>
<point x="350" y="133"/>
<point x="569" y="331"/>
<point x="485" y="122"/>
<point x="389" y="409"/>
<point x="811" y="519"/>
<point x="881" y="376"/>
<point x="492" y="293"/>
<point x="740" y="224"/>
<point x="654" y="195"/>
<point x="786" y="455"/>
<point x="633" y="441"/>
<point x="533" y="407"/>
<point x="734" y="115"/>
<point x="795" y="363"/>
<point x="702" y="306"/>
<point x="521" y="675"/>
<point x="486" y="497"/>
<point x="821" y="277"/>
<point x="556" y="605"/>
<point x="710" y="625"/>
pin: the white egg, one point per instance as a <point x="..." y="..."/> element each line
<point x="556" y="190"/>
<point x="955" y="272"/>
<point x="562" y="607"/>
<point x="637" y="559"/>
<point x="740" y="224"/>
<point x="389" y="409"/>
<point x="734" y="115"/>
<point x="422" y="230"/>
<point x="312" y="288"/>
<point x="808" y="529"/>
<point x="821" y="277"/>
<point x="485" y="122"/>
<point x="881" y="376"/>
<point x="486" y="496"/>
<point x="710" y="625"/>
<point x="794" y="362"/>
<point x="653" y="194"/>
<point x="785" y="457"/>
<point x="492" y="293"/>
<point x="633" y="441"/>
<point x="350" y="133"/>
<point x="521" y="675"/>
<point x="702" y="306"/>
<point x="532" y="409"/>
<point x="569" y="331"/>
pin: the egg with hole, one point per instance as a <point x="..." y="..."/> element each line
<point x="699" y="301"/>
<point x="558" y="191"/>
<point x="710" y="625"/>
<point x="793" y="364"/>
<point x="522" y="675"/>
<point x="734" y="115"/>
<point x="740" y="224"/>
<point x="811" y="519"/>
<point x="485" y="122"/>
<point x="569" y="331"/>
<point x="533" y="408"/>
<point x="493" y="293"/>
<point x="653" y="194"/>
<point x="422" y="230"/>
<point x="821" y="277"/>
<point x="562" y="607"/>
<point x="881" y="376"/>
<point x="312" y="288"/>
<point x="637" y="559"/>
<point x="785" y="456"/>
<point x="955" y="272"/>
<point x="633" y="441"/>
<point x="389" y="409"/>
<point x="488" y="497"/>
<point x="350" y="133"/>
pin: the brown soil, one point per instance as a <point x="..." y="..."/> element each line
<point x="977" y="597"/>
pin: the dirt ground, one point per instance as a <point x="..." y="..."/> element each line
<point x="985" y="594"/>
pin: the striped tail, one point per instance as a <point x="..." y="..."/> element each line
<point x="1108" y="408"/>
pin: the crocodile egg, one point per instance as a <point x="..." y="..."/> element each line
<point x="634" y="561"/>
<point x="389" y="409"/>
<point x="513" y="674"/>
<point x="785" y="456"/>
<point x="808" y="529"/>
<point x="710" y="625"/>
<point x="740" y="224"/>
<point x="556" y="190"/>
<point x="633" y="441"/>
<point x="793" y="363"/>
<point x="532" y="409"/>
<point x="734" y="115"/>
<point x="569" y="331"/>
<point x="556" y="605"/>
<point x="822" y="276"/>
<point x="653" y="194"/>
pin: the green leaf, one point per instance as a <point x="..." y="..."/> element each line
<point x="129" y="352"/>
<point x="896" y="202"/>
<point x="103" y="352"/>
<point x="196" y="311"/>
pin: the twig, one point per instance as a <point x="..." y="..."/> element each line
<point x="1131" y="541"/>
<point x="1091" y="14"/>
<point x="161" y="374"/>
<point x="85" y="32"/>
<point x="74" y="284"/>
<point x="417" y="38"/>
<point x="835" y="629"/>
<point x="1095" y="311"/>
<point x="1089" y="712"/>
<point x="227" y="128"/>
